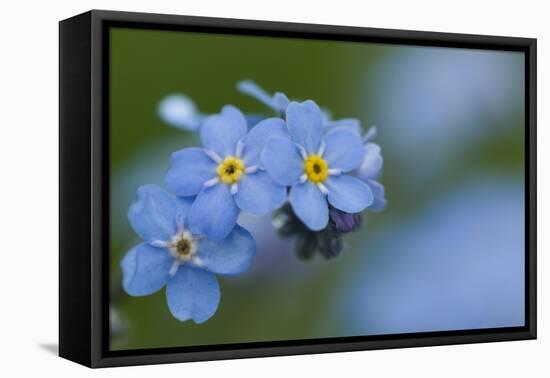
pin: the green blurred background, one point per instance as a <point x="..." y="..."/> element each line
<point x="451" y="130"/>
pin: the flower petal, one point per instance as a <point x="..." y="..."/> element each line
<point x="190" y="169"/>
<point x="253" y="119"/>
<point x="348" y="193"/>
<point x="153" y="215"/>
<point x="377" y="189"/>
<point x="372" y="163"/>
<point x="231" y="255"/>
<point x="350" y="123"/>
<point x="257" y="137"/>
<point x="305" y="124"/>
<point x="184" y="208"/>
<point x="145" y="269"/>
<point x="280" y="101"/>
<point x="179" y="111"/>
<point x="221" y="132"/>
<point x="310" y="205"/>
<point x="193" y="294"/>
<point x="282" y="161"/>
<point x="344" y="149"/>
<point x="214" y="212"/>
<point x="258" y="193"/>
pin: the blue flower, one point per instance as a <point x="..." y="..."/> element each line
<point x="370" y="169"/>
<point x="315" y="166"/>
<point x="174" y="256"/>
<point x="180" y="111"/>
<point x="226" y="175"/>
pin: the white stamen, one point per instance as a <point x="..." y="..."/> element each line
<point x="321" y="149"/>
<point x="302" y="152"/>
<point x="251" y="169"/>
<point x="303" y="178"/>
<point x="197" y="262"/>
<point x="234" y="188"/>
<point x="187" y="235"/>
<point x="211" y="182"/>
<point x="214" y="156"/>
<point x="322" y="188"/>
<point x="160" y="243"/>
<point x="173" y="251"/>
<point x="334" y="172"/>
<point x="239" y="148"/>
<point x="174" y="268"/>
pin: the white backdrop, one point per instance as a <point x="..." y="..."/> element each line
<point x="29" y="186"/>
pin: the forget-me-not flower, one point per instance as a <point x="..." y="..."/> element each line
<point x="226" y="174"/>
<point x="315" y="166"/>
<point x="174" y="256"/>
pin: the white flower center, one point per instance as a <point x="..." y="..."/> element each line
<point x="183" y="246"/>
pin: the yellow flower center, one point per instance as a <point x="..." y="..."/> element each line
<point x="316" y="168"/>
<point x="230" y="170"/>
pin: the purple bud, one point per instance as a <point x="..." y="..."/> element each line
<point x="344" y="222"/>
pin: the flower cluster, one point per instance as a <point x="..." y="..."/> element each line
<point x="316" y="174"/>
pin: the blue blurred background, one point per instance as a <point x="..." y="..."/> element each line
<point x="446" y="254"/>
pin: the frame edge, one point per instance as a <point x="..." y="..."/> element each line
<point x="74" y="189"/>
<point x="99" y="17"/>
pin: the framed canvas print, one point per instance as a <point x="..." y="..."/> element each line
<point x="233" y="188"/>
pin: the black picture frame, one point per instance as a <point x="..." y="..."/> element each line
<point x="84" y="188"/>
